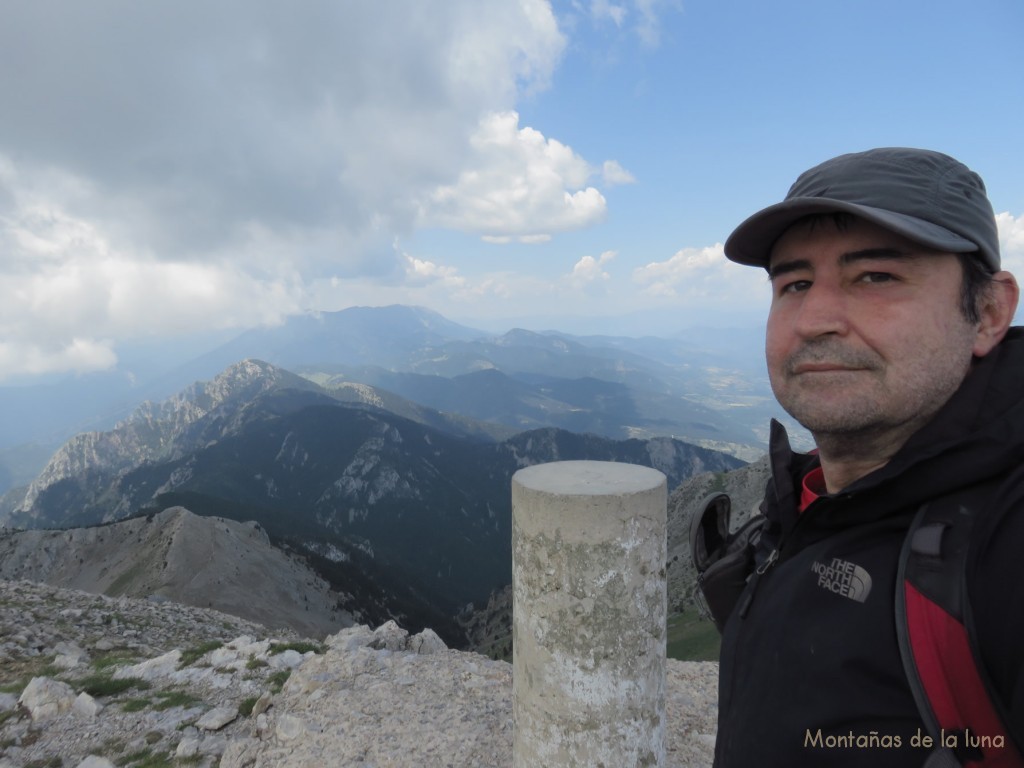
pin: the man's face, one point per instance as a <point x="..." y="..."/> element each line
<point x="865" y="335"/>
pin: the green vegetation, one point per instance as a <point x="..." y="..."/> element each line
<point x="255" y="663"/>
<point x="718" y="484"/>
<point x="691" y="638"/>
<point x="104" y="685"/>
<point x="53" y="762"/>
<point x="10" y="714"/>
<point x="245" y="708"/>
<point x="191" y="655"/>
<point x="113" y="659"/>
<point x="135" y="705"/>
<point x="170" y="699"/>
<point x="277" y="680"/>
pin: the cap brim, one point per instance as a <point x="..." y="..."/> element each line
<point x="752" y="241"/>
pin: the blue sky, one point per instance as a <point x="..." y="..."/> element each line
<point x="187" y="168"/>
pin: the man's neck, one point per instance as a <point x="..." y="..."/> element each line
<point x="847" y="458"/>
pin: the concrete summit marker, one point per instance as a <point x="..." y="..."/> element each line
<point x="589" y="604"/>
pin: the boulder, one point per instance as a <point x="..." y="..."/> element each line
<point x="45" y="698"/>
<point x="427" y="642"/>
<point x="217" y="718"/>
<point x="86" y="706"/>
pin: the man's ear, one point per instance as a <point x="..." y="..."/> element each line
<point x="998" y="305"/>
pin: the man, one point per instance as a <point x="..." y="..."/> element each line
<point x="889" y="339"/>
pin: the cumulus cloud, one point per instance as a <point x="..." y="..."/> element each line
<point x="522" y="185"/>
<point x="614" y="174"/>
<point x="422" y="271"/>
<point x="642" y="17"/>
<point x="589" y="270"/>
<point x="1011" y="242"/>
<point x="185" y="165"/>
<point x="701" y="276"/>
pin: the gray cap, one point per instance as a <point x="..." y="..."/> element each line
<point x="925" y="196"/>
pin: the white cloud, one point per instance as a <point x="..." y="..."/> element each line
<point x="521" y="185"/>
<point x="588" y="269"/>
<point x="604" y="9"/>
<point x="422" y="271"/>
<point x="187" y="165"/>
<point x="67" y="292"/>
<point x="614" y="174"/>
<point x="702" y="276"/>
<point x="1011" y="242"/>
<point x="78" y="355"/>
<point x="642" y="17"/>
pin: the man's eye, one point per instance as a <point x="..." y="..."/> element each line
<point x="876" y="277"/>
<point x="795" y="286"/>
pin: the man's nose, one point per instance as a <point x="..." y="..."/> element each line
<point x="823" y="311"/>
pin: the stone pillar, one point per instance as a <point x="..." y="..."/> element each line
<point x="589" y="605"/>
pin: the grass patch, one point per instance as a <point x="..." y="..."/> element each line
<point x="104" y="685"/>
<point x="692" y="639"/>
<point x="113" y="659"/>
<point x="301" y="646"/>
<point x="278" y="679"/>
<point x="191" y="655"/>
<point x="245" y="708"/>
<point x="53" y="762"/>
<point x="255" y="663"/>
<point x="170" y="699"/>
<point x="10" y="714"/>
<point x="135" y="705"/>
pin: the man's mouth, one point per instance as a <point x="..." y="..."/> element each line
<point x="825" y="368"/>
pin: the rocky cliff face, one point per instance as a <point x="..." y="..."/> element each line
<point x="162" y="431"/>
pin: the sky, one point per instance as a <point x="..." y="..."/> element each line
<point x="179" y="170"/>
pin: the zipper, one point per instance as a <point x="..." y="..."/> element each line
<point x="772" y="560"/>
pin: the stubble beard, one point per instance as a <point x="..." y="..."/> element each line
<point x="870" y="417"/>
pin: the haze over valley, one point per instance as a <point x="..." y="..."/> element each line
<point x="379" y="459"/>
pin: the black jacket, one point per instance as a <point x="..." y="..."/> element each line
<point x="812" y="674"/>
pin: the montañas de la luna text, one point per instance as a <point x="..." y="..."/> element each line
<point x="876" y="740"/>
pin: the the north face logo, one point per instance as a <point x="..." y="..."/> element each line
<point x="844" y="578"/>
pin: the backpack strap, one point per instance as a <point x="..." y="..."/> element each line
<point x="935" y="635"/>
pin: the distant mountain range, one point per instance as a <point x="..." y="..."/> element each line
<point x="410" y="514"/>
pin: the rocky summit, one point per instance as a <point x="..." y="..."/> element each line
<point x="91" y="681"/>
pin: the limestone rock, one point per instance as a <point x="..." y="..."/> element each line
<point x="187" y="747"/>
<point x="152" y="669"/>
<point x="262" y="704"/>
<point x="289" y="728"/>
<point x="45" y="698"/>
<point x="86" y="706"/>
<point x="427" y="642"/>
<point x="289" y="659"/>
<point x="217" y="718"/>
<point x="68" y="655"/>
<point x="390" y="637"/>
<point x="239" y="753"/>
<point x="93" y="761"/>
